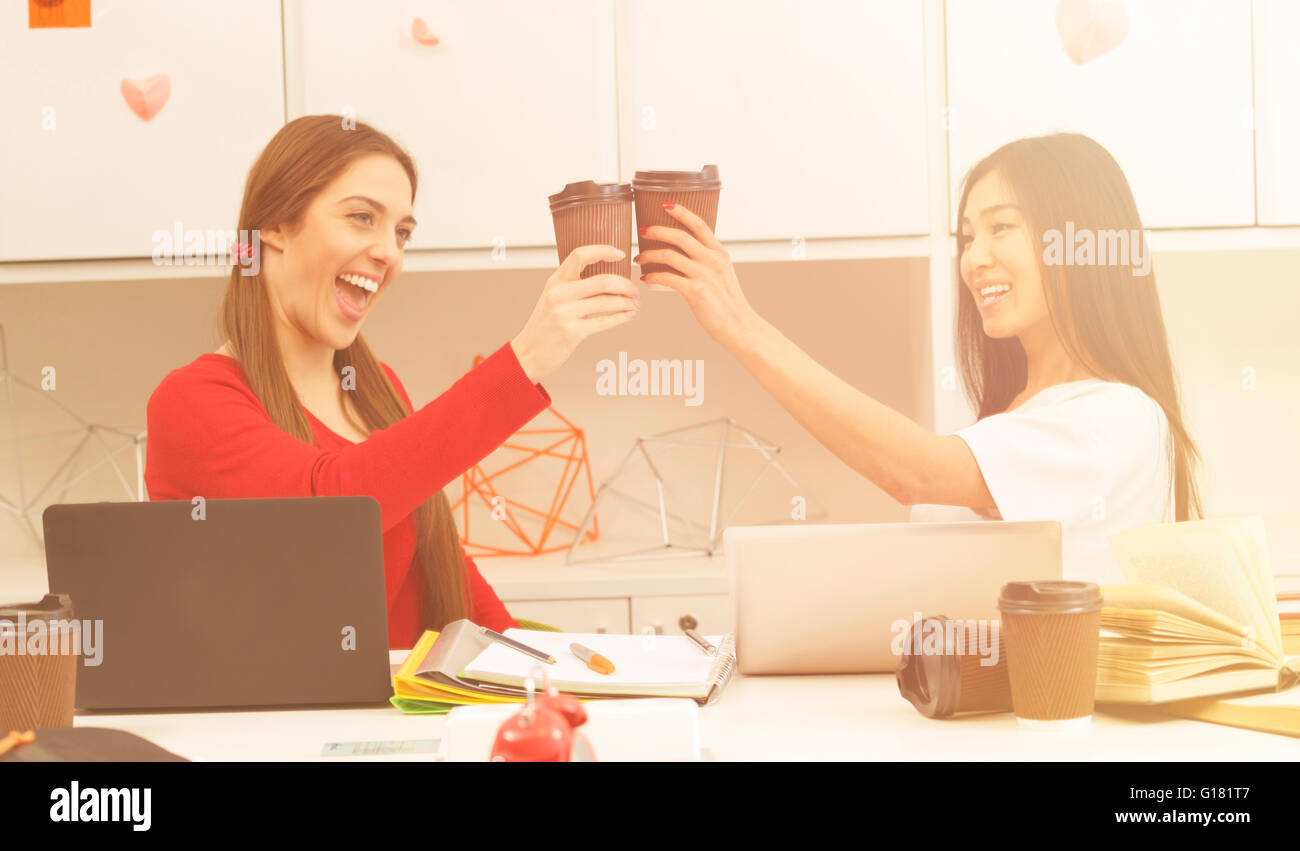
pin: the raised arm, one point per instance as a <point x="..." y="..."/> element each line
<point x="903" y="458"/>
<point x="906" y="460"/>
<point x="209" y="436"/>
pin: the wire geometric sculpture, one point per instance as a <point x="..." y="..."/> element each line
<point x="710" y="540"/>
<point x="530" y="528"/>
<point x="26" y="509"/>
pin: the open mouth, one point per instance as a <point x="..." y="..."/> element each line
<point x="353" y="292"/>
<point x="991" y="294"/>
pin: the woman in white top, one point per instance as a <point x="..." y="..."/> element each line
<point x="1062" y="352"/>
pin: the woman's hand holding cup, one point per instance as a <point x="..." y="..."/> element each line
<point x="704" y="275"/>
<point x="572" y="308"/>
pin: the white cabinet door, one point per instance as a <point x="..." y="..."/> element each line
<point x="813" y="112"/>
<point x="663" y="615"/>
<point x="609" y="615"/>
<point x="516" y="100"/>
<point x="82" y="175"/>
<point x="1277" y="111"/>
<point x="1171" y="101"/>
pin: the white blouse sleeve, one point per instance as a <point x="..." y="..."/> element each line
<point x="1085" y="458"/>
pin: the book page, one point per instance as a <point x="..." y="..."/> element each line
<point x="1213" y="683"/>
<point x="1165" y="673"/>
<point x="1201" y="560"/>
<point x="1162" y="598"/>
<point x="1137" y="649"/>
<point x="1251" y="542"/>
<point x="1158" y="626"/>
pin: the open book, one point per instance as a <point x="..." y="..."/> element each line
<point x="1198" y="619"/>
<point x="1270" y="712"/>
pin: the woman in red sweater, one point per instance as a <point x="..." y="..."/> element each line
<point x="294" y="403"/>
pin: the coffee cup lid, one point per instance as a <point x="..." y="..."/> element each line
<point x="670" y="181"/>
<point x="590" y="192"/>
<point x="1062" y="597"/>
<point x="930" y="682"/>
<point x="49" y="607"/>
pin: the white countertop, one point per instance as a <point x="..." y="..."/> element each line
<point x="812" y="718"/>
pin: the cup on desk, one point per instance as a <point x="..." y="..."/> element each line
<point x="954" y="667"/>
<point x="590" y="213"/>
<point x="697" y="191"/>
<point x="1052" y="631"/>
<point x="38" y="664"/>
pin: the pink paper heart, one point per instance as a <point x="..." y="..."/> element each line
<point x="420" y="32"/>
<point x="1088" y="29"/>
<point x="147" y="97"/>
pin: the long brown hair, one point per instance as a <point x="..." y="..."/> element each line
<point x="1108" y="319"/>
<point x="302" y="158"/>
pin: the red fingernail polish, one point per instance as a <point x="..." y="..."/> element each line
<point x="668" y="206"/>
<point x="641" y="231"/>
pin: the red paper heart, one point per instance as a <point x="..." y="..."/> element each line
<point x="1088" y="29"/>
<point x="420" y="32"/>
<point x="147" y="97"/>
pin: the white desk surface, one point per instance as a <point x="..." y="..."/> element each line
<point x="810" y="718"/>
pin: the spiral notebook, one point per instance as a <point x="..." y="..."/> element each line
<point x="436" y="675"/>
<point x="644" y="665"/>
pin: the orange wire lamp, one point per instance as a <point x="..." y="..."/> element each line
<point x="530" y="529"/>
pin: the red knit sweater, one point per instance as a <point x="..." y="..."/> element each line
<point x="209" y="435"/>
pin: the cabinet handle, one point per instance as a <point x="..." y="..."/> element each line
<point x="600" y="630"/>
<point x="688" y="621"/>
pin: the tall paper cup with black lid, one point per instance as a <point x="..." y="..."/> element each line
<point x="1052" y="631"/>
<point x="590" y="213"/>
<point x="697" y="191"/>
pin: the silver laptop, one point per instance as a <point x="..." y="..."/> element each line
<point x="838" y="599"/>
<point x="261" y="602"/>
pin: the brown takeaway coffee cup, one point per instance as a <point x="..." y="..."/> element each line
<point x="954" y="680"/>
<point x="1052" y="630"/>
<point x="37" y="689"/>
<point x="697" y="191"/>
<point x="590" y="213"/>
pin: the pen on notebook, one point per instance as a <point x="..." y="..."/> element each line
<point x="522" y="648"/>
<point x="593" y="660"/>
<point x="704" y="645"/>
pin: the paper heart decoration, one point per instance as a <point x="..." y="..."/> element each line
<point x="420" y="32"/>
<point x="147" y="97"/>
<point x="1088" y="29"/>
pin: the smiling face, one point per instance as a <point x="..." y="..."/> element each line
<point x="1000" y="261"/>
<point x="331" y="268"/>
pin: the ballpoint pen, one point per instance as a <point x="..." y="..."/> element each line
<point x="522" y="648"/>
<point x="704" y="645"/>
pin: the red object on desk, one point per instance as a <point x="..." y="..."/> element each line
<point x="544" y="731"/>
